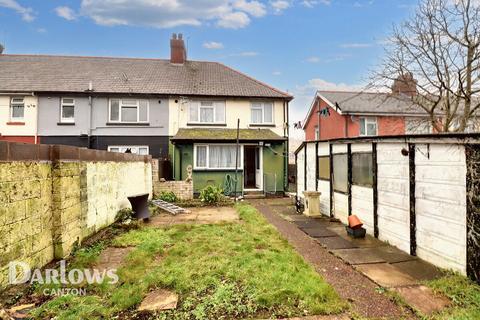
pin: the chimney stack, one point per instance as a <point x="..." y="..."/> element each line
<point x="405" y="84"/>
<point x="178" y="53"/>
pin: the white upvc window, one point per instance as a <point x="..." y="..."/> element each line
<point x="17" y="109"/>
<point x="207" y="112"/>
<point x="368" y="126"/>
<point x="317" y="133"/>
<point x="128" y="111"/>
<point x="67" y="110"/>
<point x="141" y="150"/>
<point x="217" y="156"/>
<point x="261" y="112"/>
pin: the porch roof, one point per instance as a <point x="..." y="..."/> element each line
<point x="223" y="135"/>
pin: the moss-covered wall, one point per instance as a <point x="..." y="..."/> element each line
<point x="273" y="169"/>
<point x="46" y="208"/>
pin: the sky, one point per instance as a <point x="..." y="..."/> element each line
<point x="297" y="46"/>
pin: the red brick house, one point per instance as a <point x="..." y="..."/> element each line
<point x="340" y="114"/>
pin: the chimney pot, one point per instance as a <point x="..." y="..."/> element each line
<point x="180" y="36"/>
<point x="174" y="36"/>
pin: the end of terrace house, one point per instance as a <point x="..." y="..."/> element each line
<point x="181" y="111"/>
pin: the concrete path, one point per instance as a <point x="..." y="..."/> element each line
<point x="385" y="265"/>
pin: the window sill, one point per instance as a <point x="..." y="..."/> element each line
<point x="65" y="123"/>
<point x="256" y="125"/>
<point x="15" y="123"/>
<point x="140" y="124"/>
<point x="216" y="170"/>
<point x="203" y="124"/>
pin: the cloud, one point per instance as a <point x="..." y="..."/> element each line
<point x="254" y="8"/>
<point x="245" y="54"/>
<point x="66" y="13"/>
<point x="321" y="84"/>
<point x="277" y="73"/>
<point x="313" y="3"/>
<point x="42" y="30"/>
<point x="313" y="59"/>
<point x="356" y="45"/>
<point x="279" y="6"/>
<point x="213" y="45"/>
<point x="234" y="20"/>
<point x="26" y="12"/>
<point x="231" y="14"/>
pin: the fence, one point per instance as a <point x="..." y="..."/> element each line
<point x="419" y="193"/>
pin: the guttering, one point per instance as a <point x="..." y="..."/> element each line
<point x="23" y="93"/>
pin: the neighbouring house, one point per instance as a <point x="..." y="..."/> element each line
<point x="177" y="109"/>
<point x="341" y="114"/>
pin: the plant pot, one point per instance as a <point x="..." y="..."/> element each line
<point x="356" y="233"/>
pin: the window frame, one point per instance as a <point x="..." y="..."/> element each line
<point x="332" y="170"/>
<point x="366" y="185"/>
<point x="62" y="104"/>
<point x="317" y="132"/>
<point x="329" y="169"/>
<point x="120" y="105"/>
<point x="12" y="118"/>
<point x="213" y="106"/>
<point x="110" y="147"/>
<point x="262" y="107"/>
<point x="367" y="120"/>
<point x="207" y="160"/>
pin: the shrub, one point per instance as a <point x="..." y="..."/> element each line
<point x="211" y="194"/>
<point x="124" y="214"/>
<point x="168" y="196"/>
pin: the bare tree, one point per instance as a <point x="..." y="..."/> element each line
<point x="439" y="46"/>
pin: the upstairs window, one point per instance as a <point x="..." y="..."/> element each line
<point x="262" y="113"/>
<point x="17" y="109"/>
<point x="368" y="126"/>
<point x="317" y="133"/>
<point x="67" y="110"/>
<point x="207" y="112"/>
<point x="128" y="111"/>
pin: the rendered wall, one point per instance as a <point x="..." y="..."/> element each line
<point x="29" y="123"/>
<point x="52" y="197"/>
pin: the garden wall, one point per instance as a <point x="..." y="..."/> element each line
<point x="415" y="192"/>
<point x="52" y="197"/>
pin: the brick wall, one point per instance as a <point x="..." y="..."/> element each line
<point x="182" y="189"/>
<point x="52" y="197"/>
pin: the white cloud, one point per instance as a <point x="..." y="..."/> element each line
<point x="232" y="14"/>
<point x="277" y="73"/>
<point x="234" y="20"/>
<point x="321" y="84"/>
<point x="313" y="59"/>
<point x="213" y="45"/>
<point x="245" y="54"/>
<point x="279" y="6"/>
<point x="356" y="45"/>
<point x="66" y="13"/>
<point x="254" y="8"/>
<point x="25" y="12"/>
<point x="42" y="30"/>
<point x="313" y="3"/>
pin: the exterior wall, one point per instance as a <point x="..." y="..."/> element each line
<point x="273" y="170"/>
<point x="439" y="229"/>
<point x="48" y="205"/>
<point x="28" y="128"/>
<point x="234" y="109"/>
<point x="345" y="126"/>
<point x="324" y="185"/>
<point x="393" y="195"/>
<point x="311" y="167"/>
<point x="440" y="191"/>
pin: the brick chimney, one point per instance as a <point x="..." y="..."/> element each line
<point x="405" y="84"/>
<point x="178" y="53"/>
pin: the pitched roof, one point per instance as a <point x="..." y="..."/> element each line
<point x="41" y="73"/>
<point x="371" y="102"/>
<point x="206" y="134"/>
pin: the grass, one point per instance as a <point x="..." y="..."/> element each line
<point x="236" y="270"/>
<point x="464" y="294"/>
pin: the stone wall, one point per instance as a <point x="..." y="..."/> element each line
<point x="52" y="197"/>
<point x="182" y="189"/>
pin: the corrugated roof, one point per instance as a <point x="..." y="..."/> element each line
<point x="215" y="134"/>
<point x="367" y="102"/>
<point x="41" y="73"/>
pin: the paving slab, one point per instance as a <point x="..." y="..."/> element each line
<point x="367" y="242"/>
<point x="393" y="255"/>
<point x="319" y="232"/>
<point x="386" y="275"/>
<point x="337" y="242"/>
<point x="311" y="223"/>
<point x="358" y="256"/>
<point x="419" y="270"/>
<point x="159" y="300"/>
<point x="112" y="258"/>
<point x="297" y="217"/>
<point x="423" y="299"/>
